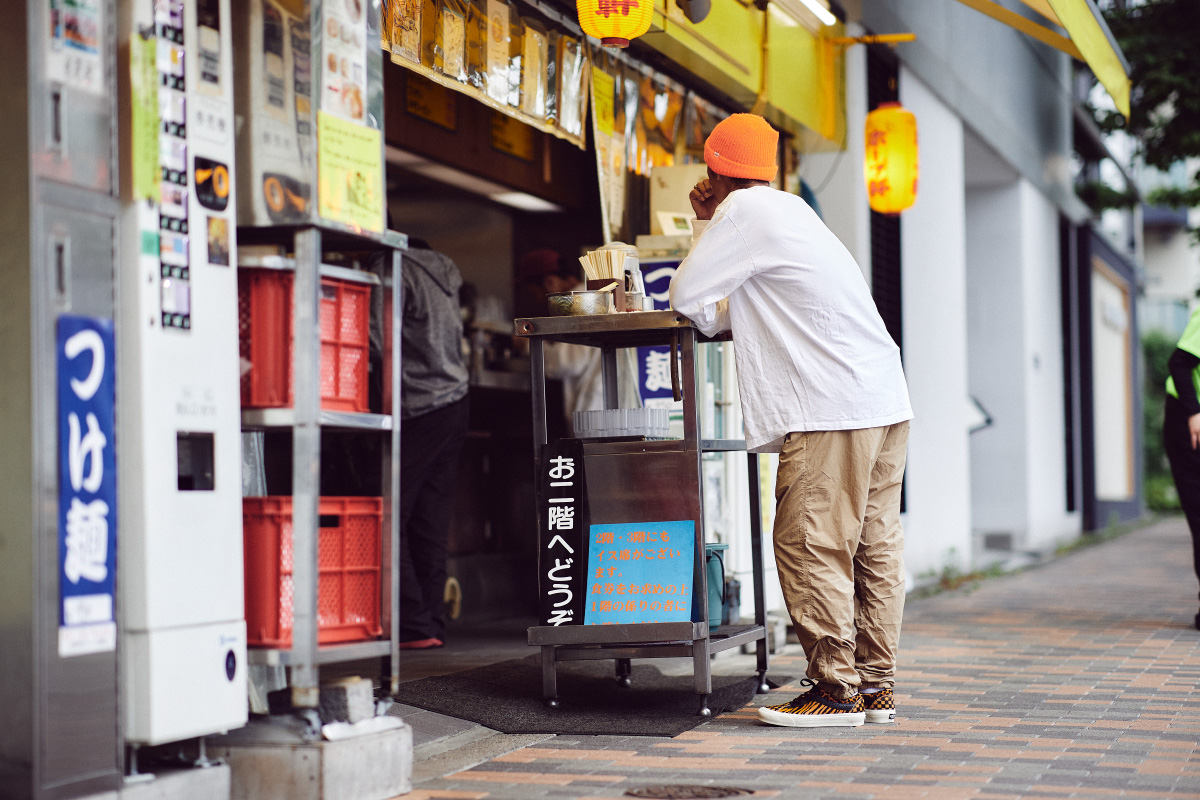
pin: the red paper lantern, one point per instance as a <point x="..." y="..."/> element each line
<point x="890" y="162"/>
<point x="615" y="22"/>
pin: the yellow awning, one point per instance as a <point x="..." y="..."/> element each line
<point x="1089" y="40"/>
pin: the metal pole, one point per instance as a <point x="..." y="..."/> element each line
<point x="537" y="387"/>
<point x="306" y="466"/>
<point x="701" y="666"/>
<point x="756" y="553"/>
<point x="608" y="375"/>
<point x="392" y="474"/>
<point x="691" y="413"/>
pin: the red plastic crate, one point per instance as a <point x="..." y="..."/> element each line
<point x="265" y="328"/>
<point x="349" y="556"/>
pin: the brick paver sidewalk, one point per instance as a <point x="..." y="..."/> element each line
<point x="1076" y="679"/>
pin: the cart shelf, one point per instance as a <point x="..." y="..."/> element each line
<point x="267" y="418"/>
<point x="335" y="237"/>
<point x="618" y="473"/>
<point x="329" y="654"/>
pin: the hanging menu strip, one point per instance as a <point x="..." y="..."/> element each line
<point x="173" y="157"/>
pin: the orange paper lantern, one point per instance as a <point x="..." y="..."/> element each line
<point x="614" y="22"/>
<point x="890" y="163"/>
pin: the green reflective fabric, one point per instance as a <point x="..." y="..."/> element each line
<point x="1189" y="343"/>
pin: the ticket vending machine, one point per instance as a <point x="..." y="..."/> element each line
<point x="184" y="638"/>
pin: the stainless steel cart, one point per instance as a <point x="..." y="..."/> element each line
<point x="628" y="481"/>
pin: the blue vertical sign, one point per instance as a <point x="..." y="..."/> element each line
<point x="87" y="486"/>
<point x="654" y="363"/>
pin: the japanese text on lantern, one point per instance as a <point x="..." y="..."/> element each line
<point x="609" y="7"/>
<point x="877" y="163"/>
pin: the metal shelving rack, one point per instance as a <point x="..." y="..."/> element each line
<point x="309" y="244"/>
<point x="618" y="474"/>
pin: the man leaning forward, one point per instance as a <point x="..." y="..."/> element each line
<point x="822" y="385"/>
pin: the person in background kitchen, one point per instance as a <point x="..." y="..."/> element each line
<point x="434" y="416"/>
<point x="1181" y="429"/>
<point x="821" y="384"/>
<point x="537" y="275"/>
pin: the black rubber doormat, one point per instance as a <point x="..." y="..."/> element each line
<point x="507" y="697"/>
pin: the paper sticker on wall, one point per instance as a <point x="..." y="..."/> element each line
<point x="602" y="98"/>
<point x="430" y="101"/>
<point x="212" y="184"/>
<point x="173" y="249"/>
<point x="497" y="50"/>
<point x="512" y="136"/>
<point x="406" y="29"/>
<point x="534" y="75"/>
<point x="143" y="79"/>
<point x="349" y="173"/>
<point x="208" y="45"/>
<point x="287" y="199"/>
<point x="73" y="57"/>
<point x="454" y="44"/>
<point x="301" y="40"/>
<point x="344" y="48"/>
<point x="173" y="199"/>
<point x="218" y="241"/>
<point x="273" y="72"/>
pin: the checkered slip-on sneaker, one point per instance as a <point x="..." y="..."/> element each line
<point x="880" y="706"/>
<point x="815" y="709"/>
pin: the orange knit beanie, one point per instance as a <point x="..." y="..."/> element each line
<point x="743" y="146"/>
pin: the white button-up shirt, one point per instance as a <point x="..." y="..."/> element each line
<point x="812" y="352"/>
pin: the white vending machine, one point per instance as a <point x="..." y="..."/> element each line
<point x="184" y="634"/>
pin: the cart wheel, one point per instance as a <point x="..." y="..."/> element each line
<point x="551" y="703"/>
<point x="624" y="673"/>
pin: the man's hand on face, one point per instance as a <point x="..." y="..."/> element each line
<point x="704" y="203"/>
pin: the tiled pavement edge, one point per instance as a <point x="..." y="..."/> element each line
<point x="1076" y="679"/>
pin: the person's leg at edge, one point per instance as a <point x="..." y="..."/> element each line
<point x="821" y="495"/>
<point x="415" y="454"/>
<point x="1185" y="469"/>
<point x="879" y="578"/>
<point x="433" y="442"/>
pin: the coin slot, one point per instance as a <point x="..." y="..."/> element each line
<point x="56" y="132"/>
<point x="60" y="268"/>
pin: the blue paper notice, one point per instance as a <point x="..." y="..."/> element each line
<point x="640" y="572"/>
<point x="87" y="486"/>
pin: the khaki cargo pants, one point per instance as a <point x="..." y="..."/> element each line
<point x="839" y="549"/>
